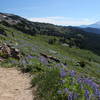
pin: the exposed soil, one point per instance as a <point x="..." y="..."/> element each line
<point x="14" y="85"/>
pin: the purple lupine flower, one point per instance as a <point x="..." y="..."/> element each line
<point x="97" y="93"/>
<point x="94" y="85"/>
<point x="30" y="57"/>
<point x="66" y="90"/>
<point x="79" y="80"/>
<point x="87" y="94"/>
<point x="70" y="96"/>
<point x="90" y="83"/>
<point x="43" y="60"/>
<point x="81" y="86"/>
<point x="65" y="64"/>
<point x="63" y="73"/>
<point x="58" y="65"/>
<point x="59" y="92"/>
<point x="75" y="96"/>
<point x="72" y="73"/>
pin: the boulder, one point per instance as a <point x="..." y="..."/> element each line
<point x="9" y="51"/>
<point x="1" y="59"/>
<point x="15" y="53"/>
<point x="50" y="57"/>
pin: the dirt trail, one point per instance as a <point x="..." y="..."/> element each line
<point x="14" y="85"/>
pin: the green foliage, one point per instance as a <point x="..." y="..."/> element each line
<point x="47" y="83"/>
<point x="76" y="36"/>
<point x="46" y="77"/>
<point x="32" y="65"/>
<point x="52" y="41"/>
<point x="10" y="62"/>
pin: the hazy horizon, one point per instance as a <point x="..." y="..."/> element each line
<point x="64" y="12"/>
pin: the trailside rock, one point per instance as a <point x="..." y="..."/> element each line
<point x="8" y="51"/>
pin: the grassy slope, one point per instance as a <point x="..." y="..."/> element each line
<point x="34" y="45"/>
<point x="72" y="35"/>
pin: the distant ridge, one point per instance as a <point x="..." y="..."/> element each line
<point x="94" y="25"/>
<point x="93" y="28"/>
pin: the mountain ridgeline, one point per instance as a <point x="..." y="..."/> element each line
<point x="94" y="25"/>
<point x="74" y="37"/>
<point x="93" y="30"/>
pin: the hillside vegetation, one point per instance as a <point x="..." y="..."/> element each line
<point x="60" y="58"/>
<point x="71" y="35"/>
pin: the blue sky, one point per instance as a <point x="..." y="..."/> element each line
<point x="60" y="12"/>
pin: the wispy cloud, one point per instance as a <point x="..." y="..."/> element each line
<point x="60" y="20"/>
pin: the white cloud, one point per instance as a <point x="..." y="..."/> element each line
<point x="60" y="20"/>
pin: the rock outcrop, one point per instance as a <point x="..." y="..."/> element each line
<point x="8" y="51"/>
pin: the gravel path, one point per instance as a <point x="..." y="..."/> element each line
<point x="14" y="85"/>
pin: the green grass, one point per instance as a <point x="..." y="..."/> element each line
<point x="47" y="78"/>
